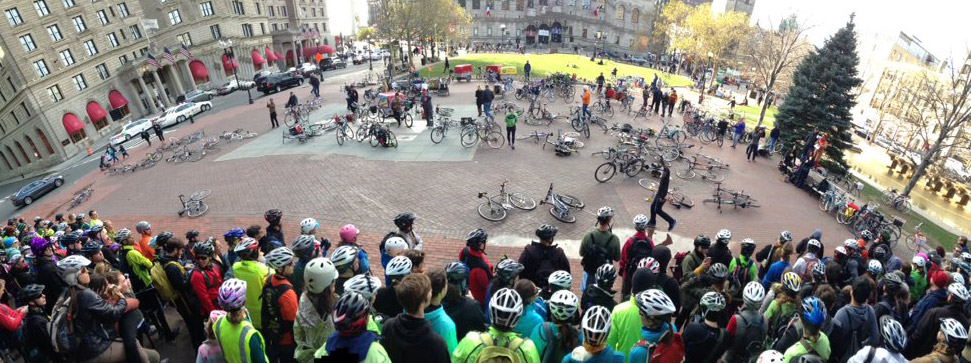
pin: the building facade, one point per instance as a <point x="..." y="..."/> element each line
<point x="73" y="72"/>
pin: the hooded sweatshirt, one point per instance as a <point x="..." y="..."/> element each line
<point x="925" y="333"/>
<point x="881" y="355"/>
<point x="443" y="325"/>
<point x="581" y="355"/>
<point x="861" y="319"/>
<point x="310" y="330"/>
<point x="410" y="339"/>
<point x="720" y="253"/>
<point x="466" y="314"/>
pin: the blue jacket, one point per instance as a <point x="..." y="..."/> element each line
<point x="605" y="356"/>
<point x="932" y="300"/>
<point x="528" y="322"/>
<point x="639" y="354"/>
<point x="443" y="325"/>
<point x="774" y="274"/>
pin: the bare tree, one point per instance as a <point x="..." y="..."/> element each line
<point x="774" y="53"/>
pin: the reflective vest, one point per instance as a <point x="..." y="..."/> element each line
<point x="234" y="339"/>
<point x="254" y="273"/>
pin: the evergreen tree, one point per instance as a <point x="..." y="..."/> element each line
<point x="821" y="97"/>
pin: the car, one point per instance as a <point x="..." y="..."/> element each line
<point x="307" y="68"/>
<point x="232" y="86"/>
<point x="36" y="189"/>
<point x="130" y="130"/>
<point x="638" y="60"/>
<point x="195" y="96"/>
<point x="358" y="59"/>
<point x="332" y="63"/>
<point x="279" y="81"/>
<point x="179" y="113"/>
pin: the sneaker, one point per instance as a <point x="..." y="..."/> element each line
<point x="671" y="227"/>
<point x="513" y="147"/>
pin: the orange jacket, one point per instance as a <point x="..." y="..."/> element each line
<point x="586" y="98"/>
<point x="288" y="305"/>
<point x="143" y="247"/>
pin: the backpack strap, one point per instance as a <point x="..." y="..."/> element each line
<point x="870" y="354"/>
<point x="243" y="342"/>
<point x="721" y="336"/>
<point x="515" y="343"/>
<point x="805" y="345"/>
<point x="548" y="331"/>
<point x="486" y="339"/>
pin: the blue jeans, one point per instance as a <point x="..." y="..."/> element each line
<point x="738" y="135"/>
<point x="487" y="108"/>
<point x="771" y="144"/>
<point x="586" y="111"/>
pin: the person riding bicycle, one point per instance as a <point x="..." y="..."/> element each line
<point x="500" y="342"/>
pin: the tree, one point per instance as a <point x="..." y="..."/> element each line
<point x="366" y="34"/>
<point x="773" y="54"/>
<point x="670" y="22"/>
<point x="822" y="95"/>
<point x="701" y="32"/>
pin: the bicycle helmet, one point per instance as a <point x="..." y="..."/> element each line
<point x="506" y="307"/>
<point x="190" y="234"/>
<point x="919" y="261"/>
<point x="545" y="232"/>
<point x="650" y="263"/>
<point x="395" y="244"/>
<point x="122" y="234"/>
<point x="303" y="242"/>
<point x="319" y="274"/>
<point x="771" y="356"/>
<point x="850" y="244"/>
<point x="68" y="239"/>
<point x="343" y="256"/>
<point x="954" y="332"/>
<point x="596" y="325"/>
<point x="718" y="271"/>
<point x="958" y="291"/>
<point x="754" y="293"/>
<point x="140" y="227"/>
<point x="279" y="258"/>
<point x="232" y="294"/>
<point x="892" y="280"/>
<point x="456" y="272"/>
<point x="785" y="236"/>
<point x="38" y="245"/>
<point x="398" y="266"/>
<point x="894" y="336"/>
<point x="723" y="235"/>
<point x="476" y="237"/>
<point x="874" y="267"/>
<point x="70" y="267"/>
<point x="29" y="293"/>
<point x="965" y="257"/>
<point x="234" y="234"/>
<point x="814" y="246"/>
<point x="403" y="220"/>
<point x="653" y="302"/>
<point x="712" y="301"/>
<point x="247" y="247"/>
<point x="273" y="216"/>
<point x="839" y="250"/>
<point x="163" y="238"/>
<point x="560" y="279"/>
<point x="308" y="225"/>
<point x="351" y="313"/>
<point x="791" y="281"/>
<point x="640" y="221"/>
<point x="819" y="271"/>
<point x="702" y="241"/>
<point x="957" y="278"/>
<point x="349" y="233"/>
<point x="563" y="304"/>
<point x="508" y="269"/>
<point x="365" y="285"/>
<point x="604" y="214"/>
<point x="204" y="248"/>
<point x="90" y="249"/>
<point x="813" y="312"/>
<point x="866" y="235"/>
<point x="606" y="274"/>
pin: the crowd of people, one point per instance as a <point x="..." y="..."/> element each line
<point x="86" y="291"/>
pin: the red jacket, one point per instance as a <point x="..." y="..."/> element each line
<point x="10" y="319"/>
<point x="630" y="241"/>
<point x="668" y="350"/>
<point x="478" y="277"/>
<point x="205" y="283"/>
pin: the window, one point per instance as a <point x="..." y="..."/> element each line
<point x="135" y="32"/>
<point x="102" y="71"/>
<point x="79" y="25"/>
<point x="520" y="5"/>
<point x="258" y="11"/>
<point x="90" y="47"/>
<point x="313" y="12"/>
<point x="54" y="32"/>
<point x="28" y="42"/>
<point x="15" y="118"/>
<point x="247" y="30"/>
<point x="40" y="67"/>
<point x="262" y="28"/>
<point x="271" y="10"/>
<point x="206" y="8"/>
<point x="103" y="17"/>
<point x="123" y="59"/>
<point x="283" y="11"/>
<point x="13" y="16"/>
<point x="275" y="27"/>
<point x="238" y="8"/>
<point x="113" y="40"/>
<point x="174" y="17"/>
<point x="635" y="16"/>
<point x="68" y="3"/>
<point x="26" y="110"/>
<point x="54" y="92"/>
<point x="620" y="12"/>
<point x="66" y="57"/>
<point x="79" y="83"/>
<point x="14" y="88"/>
<point x="41" y="7"/>
<point x="476" y="4"/>
<point x="123" y="10"/>
<point x="214" y="30"/>
<point x="505" y="4"/>
<point x="184" y="38"/>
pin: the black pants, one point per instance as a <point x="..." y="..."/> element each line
<point x="752" y="151"/>
<point x="128" y="331"/>
<point x="397" y="116"/>
<point x="150" y="304"/>
<point x="193" y="321"/>
<point x="160" y="136"/>
<point x="478" y="106"/>
<point x="656" y="210"/>
<point x="273" y="121"/>
<point x="428" y="117"/>
<point x="148" y="140"/>
<point x="511" y="135"/>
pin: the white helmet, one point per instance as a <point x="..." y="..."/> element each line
<point x="653" y="302"/>
<point x="966" y="257"/>
<point x="395" y="243"/>
<point x="919" y="261"/>
<point x="723" y="234"/>
<point x="563" y="304"/>
<point x="605" y="212"/>
<point x="748" y="241"/>
<point x="247" y="243"/>
<point x="785" y="236"/>
<point x="640" y="221"/>
<point x="958" y="290"/>
<point x="506" y="307"/>
<point x="957" y="278"/>
<point x="712" y="301"/>
<point x="650" y="263"/>
<point x="279" y="257"/>
<point x="850" y="243"/>
<point x="754" y="293"/>
<point x="874" y="267"/>
<point x="304" y="242"/>
<point x="398" y="266"/>
<point x="365" y="285"/>
<point x="596" y="325"/>
<point x="560" y="279"/>
<point x="343" y="255"/>
<point x="319" y="274"/>
<point x="815" y="243"/>
<point x="955" y="333"/>
<point x="308" y="225"/>
<point x="771" y="356"/>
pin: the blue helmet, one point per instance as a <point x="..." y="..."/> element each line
<point x="234" y="234"/>
<point x="813" y="312"/>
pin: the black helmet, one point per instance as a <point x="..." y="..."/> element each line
<point x="163" y="238"/>
<point x="90" y="249"/>
<point x="29" y="293"/>
<point x="477" y="236"/>
<point x="457" y="272"/>
<point x="79" y="217"/>
<point x="508" y="269"/>
<point x="69" y="238"/>
<point x="546" y="231"/>
<point x="273" y="215"/>
<point x="404" y="219"/>
<point x="702" y="241"/>
<point x="191" y="234"/>
<point x="203" y="248"/>
<point x="351" y="313"/>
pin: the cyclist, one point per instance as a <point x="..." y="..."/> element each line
<point x="279" y="307"/>
<point x="922" y="337"/>
<point x="595" y="327"/>
<point x="274" y="228"/>
<point x="805" y="263"/>
<point x="874" y="269"/>
<point x="37" y="339"/>
<point x="625" y="326"/>
<point x="746" y="328"/>
<point x="541" y="259"/>
<point x="474" y="257"/>
<point x="309" y="226"/>
<point x="348" y="235"/>
<point x="696" y="262"/>
<point x="500" y="341"/>
<point x="601" y="293"/>
<point x="254" y="273"/>
<point x="440" y="322"/>
<point x="951" y="339"/>
<point x="352" y="340"/>
<point x="743" y="267"/>
<point x="854" y="262"/>
<point x="719" y="251"/>
<point x="46" y="269"/>
<point x="858" y="317"/>
<point x="239" y="339"/>
<point x="668" y="284"/>
<point x="705" y="341"/>
<point x="894" y="341"/>
<point x="637" y="247"/>
<point x="367" y="286"/>
<point x="660" y="342"/>
<point x="776" y="269"/>
<point x="408" y="336"/>
<point x="186" y="302"/>
<point x="715" y="279"/>
<point x="314" y="322"/>
<point x="558" y="280"/>
<point x="406" y="229"/>
<point x="232" y="238"/>
<point x="599" y="246"/>
<point x="465" y="312"/>
<point x="783" y="304"/>
<point x="304" y="247"/>
<point x="506" y="275"/>
<point x="920" y="279"/>
<point x="530" y="318"/>
<point x="556" y="338"/>
<point x="345" y="261"/>
<point x="813" y="341"/>
<point x="206" y="277"/>
<point x="144" y="229"/>
<point x="386" y="301"/>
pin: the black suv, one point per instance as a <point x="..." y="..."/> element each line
<point x="278" y="81"/>
<point x="332" y="63"/>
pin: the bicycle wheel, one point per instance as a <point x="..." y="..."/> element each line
<point x="577" y="124"/>
<point x="683" y="200"/>
<point x="437" y="134"/>
<point x="148" y="163"/>
<point x="688" y="173"/>
<point x="904" y="207"/>
<point x="392" y="140"/>
<point x="289" y="120"/>
<point x="634" y="167"/>
<point x="341" y="135"/>
<point x="533" y="120"/>
<point x="824" y="203"/>
<point x="157" y="156"/>
<point x="551" y="96"/>
<point x="571" y="201"/>
<point x="565" y="216"/>
<point x="720" y="141"/>
<point x="647" y="184"/>
<point x="713" y="176"/>
<point x="522" y="201"/>
<point x="200" y="195"/>
<point x="492" y="211"/>
<point x="195" y="208"/>
<point x="409" y="121"/>
<point x="609" y="111"/>
<point x="669" y="154"/>
<point x="604" y="172"/>
<point x="196" y="156"/>
<point x="469" y="137"/>
<point x="362" y="133"/>
<point x="678" y="137"/>
<point x="911" y="242"/>
<point x="585" y="129"/>
<point x="304" y="113"/>
<point x="495" y="139"/>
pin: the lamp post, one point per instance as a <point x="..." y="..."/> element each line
<point x="603" y="49"/>
<point x="704" y="73"/>
<point x="228" y="52"/>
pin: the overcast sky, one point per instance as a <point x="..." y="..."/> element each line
<point x="941" y="25"/>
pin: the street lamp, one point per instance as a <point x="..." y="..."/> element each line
<point x="704" y="72"/>
<point x="228" y="52"/>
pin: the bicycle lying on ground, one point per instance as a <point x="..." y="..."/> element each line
<point x="675" y="196"/>
<point x="562" y="206"/>
<point x="494" y="208"/>
<point x="81" y="197"/>
<point x="725" y="196"/>
<point x="194" y="206"/>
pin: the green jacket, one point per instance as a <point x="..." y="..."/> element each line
<point x="920" y="285"/>
<point x="310" y="330"/>
<point x="753" y="267"/>
<point x="467" y="350"/>
<point x="139" y="264"/>
<point x="511" y="119"/>
<point x="254" y="273"/>
<point x="625" y="327"/>
<point x="375" y="354"/>
<point x="820" y="348"/>
<point x="776" y="311"/>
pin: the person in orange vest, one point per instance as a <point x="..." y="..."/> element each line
<point x="145" y="230"/>
<point x="586" y="101"/>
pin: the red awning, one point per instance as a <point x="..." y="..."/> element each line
<point x="116" y="99"/>
<point x="326" y="49"/>
<point x="72" y="124"/>
<point x="95" y="112"/>
<point x="270" y="57"/>
<point x="257" y="58"/>
<point x="278" y="55"/>
<point x="228" y="64"/>
<point x="290" y="54"/>
<point x="198" y="70"/>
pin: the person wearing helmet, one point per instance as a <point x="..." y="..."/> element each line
<point x="348" y="235"/>
<point x="20" y="270"/>
<point x="599" y="246"/>
<point x="531" y="318"/>
<point x="409" y="336"/>
<point x="556" y="338"/>
<point x="465" y="312"/>
<point x="595" y="327"/>
<point x="352" y="342"/>
<point x="37" y="338"/>
<point x="922" y="337"/>
<point x="346" y="262"/>
<point x="367" y="286"/>
<point x="274" y="227"/>
<point x="858" y="316"/>
<point x="186" y="302"/>
<point x="308" y="227"/>
<point x="655" y="309"/>
<point x="480" y="271"/>
<point x="506" y="275"/>
<point x="920" y="279"/>
<point x="874" y="269"/>
<point x="814" y="341"/>
<point x="206" y="277"/>
<point x="540" y="259"/>
<point x="10" y="319"/>
<point x="625" y="329"/>
<point x="805" y="263"/>
<point x="951" y="338"/>
<point x="254" y="273"/>
<point x="696" y="262"/>
<point x="602" y="292"/>
<point x="240" y="339"/>
<point x="406" y="230"/>
<point x="435" y="314"/>
<point x="637" y="247"/>
<point x="77" y="225"/>
<point x="773" y="272"/>
<point x="305" y="249"/>
<point x="385" y="301"/>
<point x="558" y="280"/>
<point x="783" y="301"/>
<point x="894" y="342"/>
<point x="855" y="265"/>
<point x="72" y="243"/>
<point x="706" y="341"/>
<point x="715" y="279"/>
<point x="279" y="305"/>
<point x="747" y="328"/>
<point x="232" y="238"/>
<point x="143" y="246"/>
<point x="743" y="267"/>
<point x="46" y="270"/>
<point x="314" y="322"/>
<point x="719" y="251"/>
<point x="92" y="251"/>
<point x="500" y="339"/>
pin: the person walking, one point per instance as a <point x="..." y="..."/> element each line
<point x="124" y="153"/>
<point x="426" y="106"/>
<point x="672" y="100"/>
<point x="585" y="98"/>
<point x="753" y="148"/>
<point x="354" y="98"/>
<point x="658" y="202"/>
<point x="600" y="82"/>
<point x="478" y="99"/>
<point x="447" y="67"/>
<point x="487" y="97"/>
<point x="158" y="130"/>
<point x="147" y="137"/>
<point x="738" y="131"/>
<point x="274" y="123"/>
<point x="511" y="119"/>
<point x="315" y="85"/>
<point x="773" y="138"/>
<point x="527" y="69"/>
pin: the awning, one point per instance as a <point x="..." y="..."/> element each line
<point x="95" y="112"/>
<point x="228" y="64"/>
<point x="72" y="124"/>
<point x="326" y="49"/>
<point x="198" y="70"/>
<point x="270" y="57"/>
<point x="116" y="99"/>
<point x="257" y="58"/>
<point x="278" y="55"/>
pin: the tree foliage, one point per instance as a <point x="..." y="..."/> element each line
<point x="697" y="31"/>
<point x="414" y="20"/>
<point x="773" y="54"/>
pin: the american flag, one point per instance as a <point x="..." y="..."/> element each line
<point x="168" y="55"/>
<point x="488" y="10"/>
<point x="185" y="52"/>
<point x="152" y="61"/>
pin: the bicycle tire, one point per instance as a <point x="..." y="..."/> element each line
<point x="362" y="133"/>
<point x="605" y="172"/>
<point x="249" y="135"/>
<point x="683" y="200"/>
<point x="634" y="167"/>
<point x="585" y="130"/>
<point x="374" y="141"/>
<point x="904" y="207"/>
<point x="196" y="156"/>
<point x="157" y="156"/>
<point x="669" y="154"/>
<point x="609" y="111"/>
<point x="392" y="140"/>
<point x="911" y="242"/>
<point x="824" y="203"/>
<point x="289" y="120"/>
<point x="340" y="135"/>
<point x="495" y="139"/>
<point x="571" y="201"/>
<point x="567" y="218"/>
<point x="148" y="164"/>
<point x="686" y="174"/>
<point x="522" y="201"/>
<point x="532" y="120"/>
<point x="469" y="137"/>
<point x="720" y="141"/>
<point x="551" y="96"/>
<point x="409" y="121"/>
<point x="488" y="211"/>
<point x="577" y="124"/>
<point x="196" y="208"/>
<point x="200" y="195"/>
<point x="571" y="134"/>
<point x="647" y="184"/>
<point x="437" y="134"/>
<point x="713" y="176"/>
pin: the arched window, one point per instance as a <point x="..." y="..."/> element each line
<point x="43" y="140"/>
<point x="22" y="151"/>
<point x="620" y="11"/>
<point x="33" y="147"/>
<point x="5" y="161"/>
<point x="13" y="156"/>
<point x="635" y="16"/>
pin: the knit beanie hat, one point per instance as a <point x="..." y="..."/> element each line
<point x="940" y="279"/>
<point x="643" y="279"/>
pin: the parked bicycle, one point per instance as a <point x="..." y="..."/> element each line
<point x="895" y="200"/>
<point x="482" y="130"/>
<point x="708" y="172"/>
<point x="563" y="207"/>
<point x="81" y="197"/>
<point x="917" y="241"/>
<point x="729" y="197"/>
<point x="442" y="124"/>
<point x="494" y="208"/>
<point x="627" y="162"/>
<point x="194" y="206"/>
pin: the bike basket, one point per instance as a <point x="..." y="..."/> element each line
<point x="898" y="222"/>
<point x="853" y="206"/>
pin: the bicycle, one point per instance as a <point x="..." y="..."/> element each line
<point x="184" y="155"/>
<point x="900" y="202"/>
<point x="580" y="124"/>
<point x="442" y="124"/>
<point x="344" y="130"/>
<point x="603" y="106"/>
<point x="494" y="208"/>
<point x="670" y="132"/>
<point x="675" y="196"/>
<point x="737" y="200"/>
<point x="194" y="206"/>
<point x="81" y="197"/>
<point x="382" y="135"/>
<point x="562" y="205"/>
<point x="296" y="114"/>
<point x="475" y="131"/>
<point x="625" y="162"/>
<point x="917" y="242"/>
<point x="829" y="201"/>
<point x="566" y="143"/>
<point x="709" y="173"/>
<point x="536" y="136"/>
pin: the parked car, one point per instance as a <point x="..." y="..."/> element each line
<point x="232" y="86"/>
<point x="31" y="192"/>
<point x="638" y="60"/>
<point x="332" y="63"/>
<point x="308" y="67"/>
<point x="179" y="113"/>
<point x="130" y="130"/>
<point x="279" y="81"/>
<point x="195" y="96"/>
<point x="358" y="59"/>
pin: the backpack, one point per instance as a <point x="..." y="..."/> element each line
<point x="61" y="327"/>
<point x="552" y="351"/>
<point x="161" y="280"/>
<point x="668" y="347"/>
<point x="779" y="329"/>
<point x="639" y="249"/>
<point x="810" y="352"/>
<point x="749" y="335"/>
<point x="807" y="273"/>
<point x="273" y="324"/>
<point x="744" y="272"/>
<point x="678" y="261"/>
<point x="594" y="256"/>
<point x="854" y="344"/>
<point x="493" y="353"/>
<point x="545" y="268"/>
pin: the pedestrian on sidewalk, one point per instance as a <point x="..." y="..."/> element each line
<point x="773" y="138"/>
<point x="672" y="100"/>
<point x="445" y="70"/>
<point x="487" y="97"/>
<point x="274" y="123"/>
<point x="314" y="85"/>
<point x="426" y="106"/>
<point x="347" y="97"/>
<point x="657" y="203"/>
<point x="124" y="153"/>
<point x="158" y="130"/>
<point x="526" y="69"/>
<point x="354" y="97"/>
<point x="739" y="131"/>
<point x="753" y="148"/>
<point x="147" y="137"/>
<point x="478" y="99"/>
<point x="111" y="153"/>
<point x="511" y="119"/>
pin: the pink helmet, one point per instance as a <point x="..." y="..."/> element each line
<point x="349" y="233"/>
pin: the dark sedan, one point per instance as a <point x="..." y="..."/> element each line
<point x="29" y="193"/>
